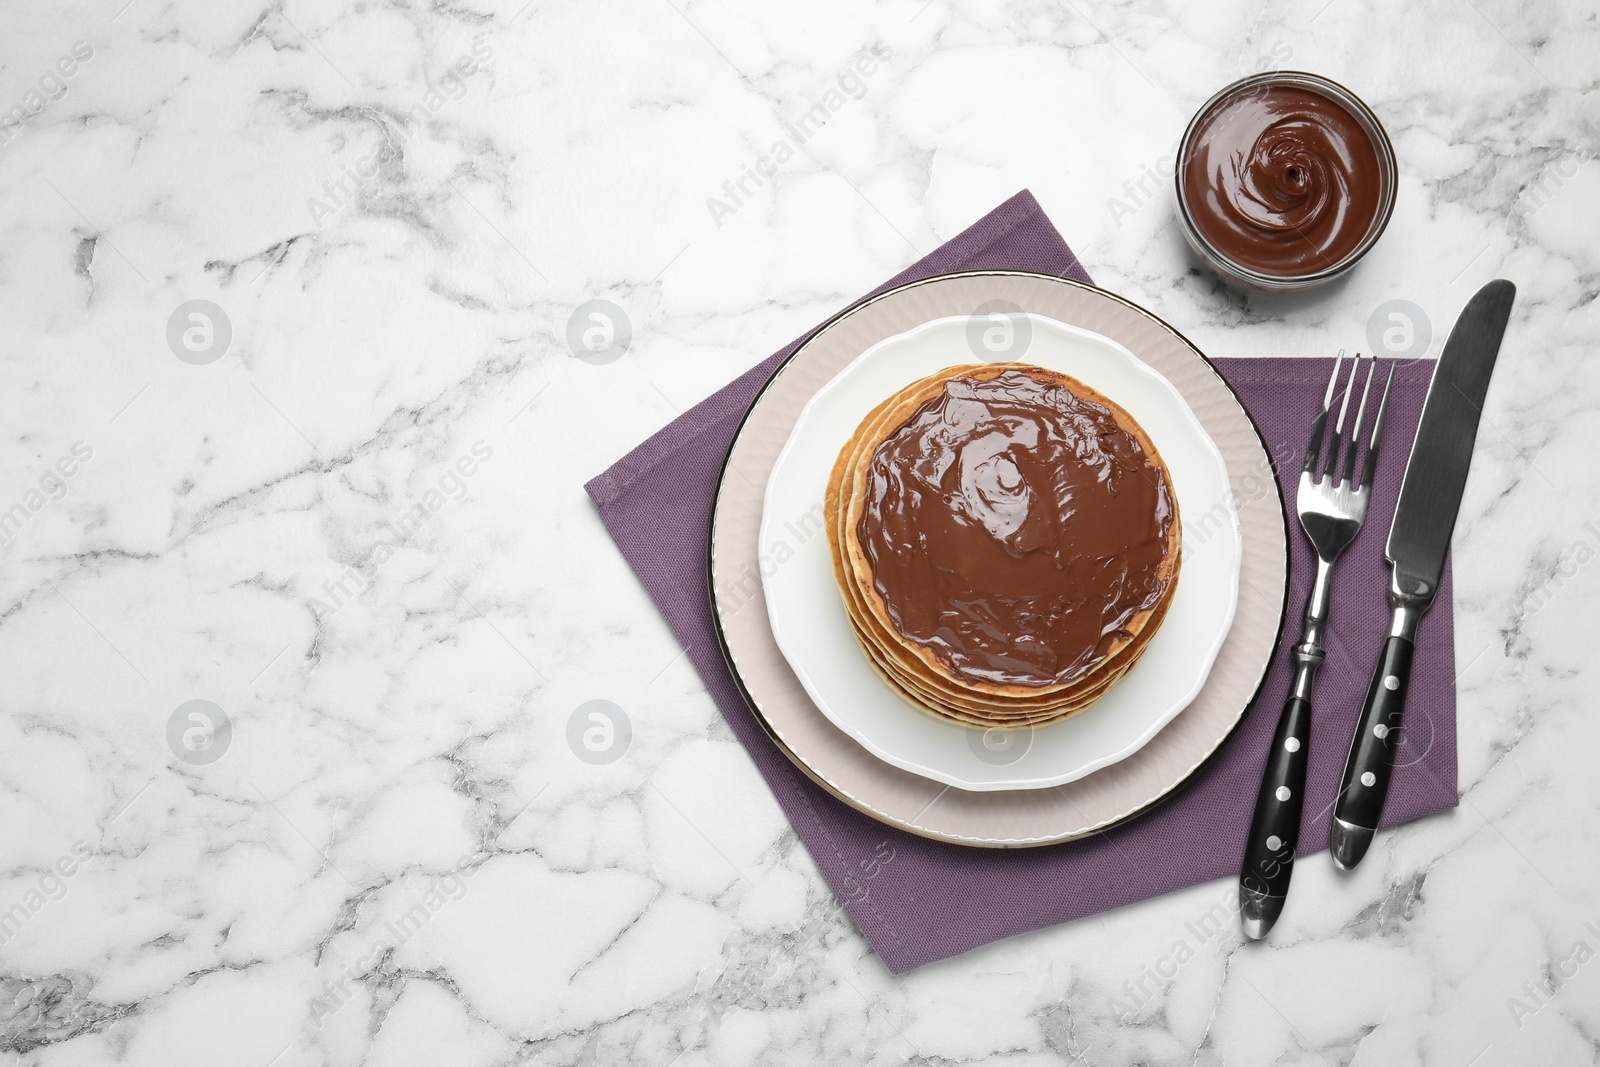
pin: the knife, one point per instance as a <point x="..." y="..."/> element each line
<point x="1430" y="496"/>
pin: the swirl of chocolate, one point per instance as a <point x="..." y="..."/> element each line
<point x="1014" y="529"/>
<point x="1283" y="180"/>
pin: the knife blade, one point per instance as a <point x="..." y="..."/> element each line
<point x="1419" y="538"/>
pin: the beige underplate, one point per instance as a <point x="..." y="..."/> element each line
<point x="1013" y="818"/>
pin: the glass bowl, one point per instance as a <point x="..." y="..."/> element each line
<point x="1243" y="273"/>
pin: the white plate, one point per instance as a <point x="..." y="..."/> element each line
<point x="807" y="612"/>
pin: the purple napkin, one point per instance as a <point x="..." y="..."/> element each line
<point x="934" y="900"/>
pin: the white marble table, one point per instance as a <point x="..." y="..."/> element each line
<point x="392" y="211"/>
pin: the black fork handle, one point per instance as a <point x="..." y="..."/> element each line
<point x="1275" y="827"/>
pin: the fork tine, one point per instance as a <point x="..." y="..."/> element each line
<point x="1355" y="427"/>
<point x="1377" y="432"/>
<point x="1314" y="449"/>
<point x="1332" y="459"/>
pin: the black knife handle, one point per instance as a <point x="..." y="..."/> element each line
<point x="1275" y="827"/>
<point x="1371" y="763"/>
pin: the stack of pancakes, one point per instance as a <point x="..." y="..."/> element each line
<point x="1006" y="540"/>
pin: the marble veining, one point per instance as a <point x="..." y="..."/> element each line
<point x="336" y="731"/>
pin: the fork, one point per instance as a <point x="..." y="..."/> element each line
<point x="1332" y="504"/>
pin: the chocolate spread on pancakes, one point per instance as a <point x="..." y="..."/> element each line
<point x="1283" y="181"/>
<point x="1014" y="529"/>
